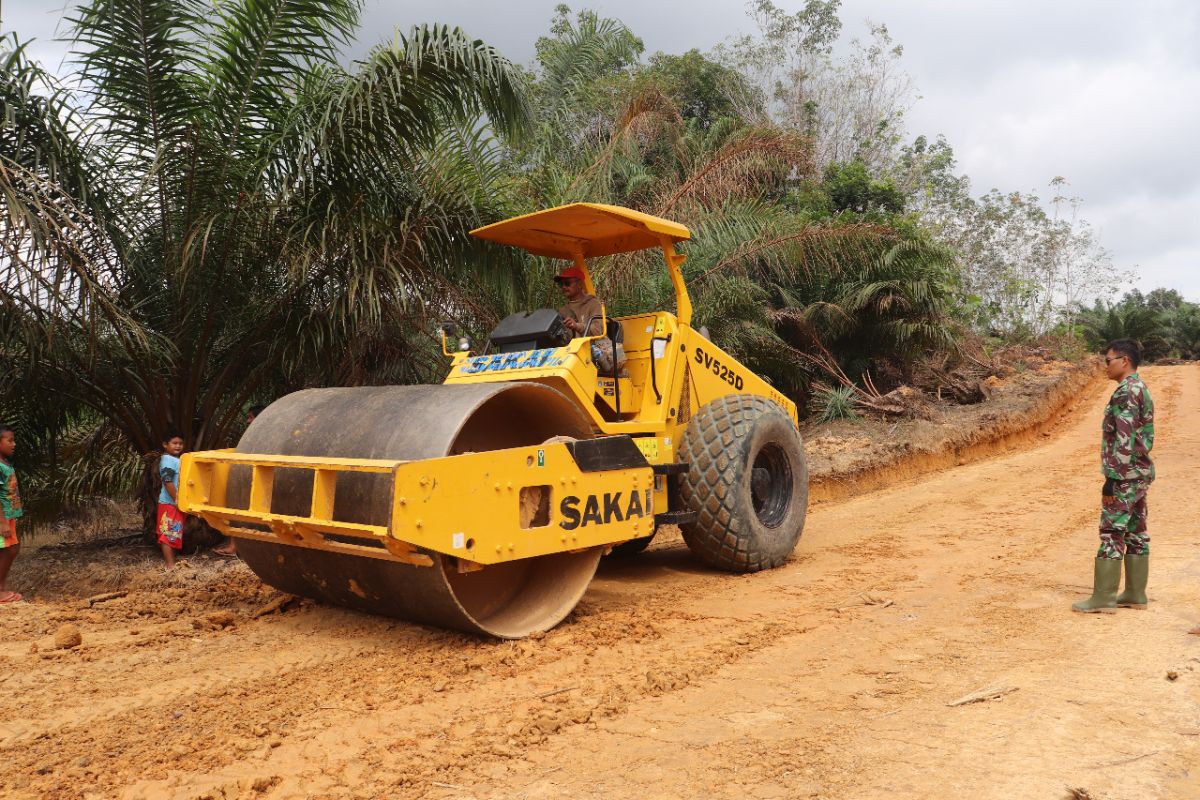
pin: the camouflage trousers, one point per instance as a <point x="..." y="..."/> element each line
<point x="1123" y="521"/>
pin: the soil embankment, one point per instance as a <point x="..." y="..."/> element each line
<point x="849" y="459"/>
<point x="831" y="677"/>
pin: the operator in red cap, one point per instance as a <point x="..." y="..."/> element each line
<point x="582" y="309"/>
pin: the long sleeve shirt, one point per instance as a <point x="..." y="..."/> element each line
<point x="586" y="308"/>
<point x="1128" y="433"/>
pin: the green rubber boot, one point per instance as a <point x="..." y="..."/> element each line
<point x="1104" y="592"/>
<point x="1137" y="572"/>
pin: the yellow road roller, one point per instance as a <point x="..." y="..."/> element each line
<point x="485" y="503"/>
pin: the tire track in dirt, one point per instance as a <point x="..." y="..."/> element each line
<point x="827" y="751"/>
<point x="668" y="681"/>
<point x="136" y="720"/>
<point x="597" y="628"/>
<point x="902" y="741"/>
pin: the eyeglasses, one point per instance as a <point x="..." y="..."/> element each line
<point x="1110" y="359"/>
<point x="564" y="281"/>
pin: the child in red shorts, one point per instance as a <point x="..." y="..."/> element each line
<point x="10" y="510"/>
<point x="170" y="518"/>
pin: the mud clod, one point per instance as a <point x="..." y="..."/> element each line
<point x="221" y="619"/>
<point x="67" y="636"/>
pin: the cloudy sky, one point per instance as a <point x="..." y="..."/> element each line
<point x="1103" y="93"/>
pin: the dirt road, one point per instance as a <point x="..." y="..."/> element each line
<point x="828" y="678"/>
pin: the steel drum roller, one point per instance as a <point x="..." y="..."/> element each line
<point x="508" y="600"/>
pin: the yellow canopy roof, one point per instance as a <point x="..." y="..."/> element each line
<point x="586" y="229"/>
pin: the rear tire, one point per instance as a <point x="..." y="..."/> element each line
<point x="747" y="481"/>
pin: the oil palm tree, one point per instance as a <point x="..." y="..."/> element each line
<point x="1185" y="330"/>
<point x="212" y="209"/>
<point x="1129" y="319"/>
<point x="756" y="268"/>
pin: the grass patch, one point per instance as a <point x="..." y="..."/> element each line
<point x="836" y="403"/>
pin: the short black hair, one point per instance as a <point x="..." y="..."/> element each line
<point x="171" y="433"/>
<point x="258" y="408"/>
<point x="1126" y="347"/>
<point x="6" y="429"/>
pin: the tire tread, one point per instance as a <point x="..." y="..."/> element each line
<point x="721" y="536"/>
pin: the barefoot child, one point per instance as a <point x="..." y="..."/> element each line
<point x="10" y="509"/>
<point x="170" y="518"/>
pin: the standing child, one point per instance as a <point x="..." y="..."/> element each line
<point x="170" y="518"/>
<point x="10" y="509"/>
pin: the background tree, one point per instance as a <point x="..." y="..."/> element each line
<point x="1185" y="330"/>
<point x="212" y="210"/>
<point x="851" y="188"/>
<point x="1131" y="318"/>
<point x="852" y="104"/>
<point x="702" y="89"/>
<point x="1026" y="262"/>
<point x="775" y="248"/>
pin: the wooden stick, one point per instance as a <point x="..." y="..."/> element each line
<point x="544" y="695"/>
<point x="275" y="605"/>
<point x="100" y="598"/>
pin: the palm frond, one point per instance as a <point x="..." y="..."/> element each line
<point x="259" y="52"/>
<point x="744" y="160"/>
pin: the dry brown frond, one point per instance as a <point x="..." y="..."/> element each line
<point x="740" y="164"/>
<point x="646" y="116"/>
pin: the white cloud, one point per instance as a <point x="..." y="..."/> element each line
<point x="1102" y="93"/>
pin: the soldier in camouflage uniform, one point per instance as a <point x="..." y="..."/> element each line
<point x="1128" y="436"/>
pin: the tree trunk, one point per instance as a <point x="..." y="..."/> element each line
<point x="147" y="495"/>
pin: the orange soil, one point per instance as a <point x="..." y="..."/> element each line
<point x="827" y="678"/>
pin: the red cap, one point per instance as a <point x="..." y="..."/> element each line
<point x="569" y="272"/>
